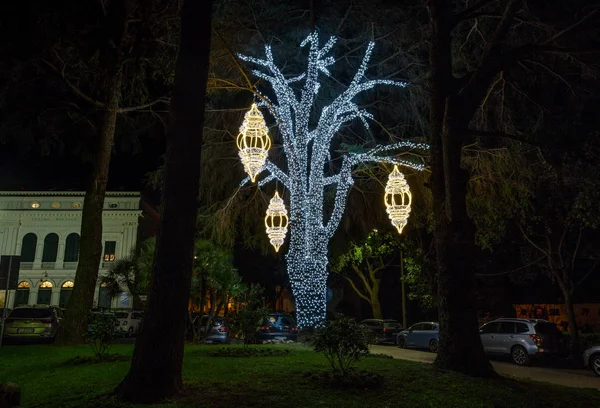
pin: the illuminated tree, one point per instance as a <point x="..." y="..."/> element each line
<point x="307" y="147"/>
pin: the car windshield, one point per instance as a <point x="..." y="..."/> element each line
<point x="547" y="328"/>
<point x="391" y="324"/>
<point x="121" y="315"/>
<point x="31" y="313"/>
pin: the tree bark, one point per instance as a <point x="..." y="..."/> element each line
<point x="375" y="304"/>
<point x="573" y="329"/>
<point x="74" y="327"/>
<point x="156" y="368"/>
<point x="460" y="346"/>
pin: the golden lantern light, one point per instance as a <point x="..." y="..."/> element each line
<point x="397" y="199"/>
<point x="276" y="221"/>
<point x="253" y="142"/>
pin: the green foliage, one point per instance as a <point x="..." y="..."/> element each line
<point x="102" y="332"/>
<point x="343" y="341"/>
<point x="377" y="246"/>
<point x="421" y="281"/>
<point x="132" y="273"/>
<point x="244" y="321"/>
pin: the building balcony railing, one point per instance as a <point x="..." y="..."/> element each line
<point x="70" y="265"/>
<point x="48" y="265"/>
<point x="26" y="265"/>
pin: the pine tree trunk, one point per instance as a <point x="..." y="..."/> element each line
<point x="74" y="326"/>
<point x="573" y="329"/>
<point x="156" y="368"/>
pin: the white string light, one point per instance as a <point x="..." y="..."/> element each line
<point x="308" y="173"/>
<point x="397" y="199"/>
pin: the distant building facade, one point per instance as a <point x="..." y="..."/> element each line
<point x="43" y="227"/>
<point x="587" y="315"/>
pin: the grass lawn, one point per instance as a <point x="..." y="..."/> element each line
<point x="274" y="381"/>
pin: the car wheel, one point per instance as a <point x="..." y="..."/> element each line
<point x="401" y="341"/>
<point x="434" y="345"/>
<point x="595" y="363"/>
<point x="519" y="356"/>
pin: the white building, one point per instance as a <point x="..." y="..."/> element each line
<point x="43" y="227"/>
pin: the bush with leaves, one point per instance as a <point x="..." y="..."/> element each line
<point x="343" y="341"/>
<point x="245" y="321"/>
<point x="102" y="332"/>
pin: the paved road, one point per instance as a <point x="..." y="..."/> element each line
<point x="566" y="377"/>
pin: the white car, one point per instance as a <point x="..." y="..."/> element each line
<point x="129" y="321"/>
<point x="591" y="359"/>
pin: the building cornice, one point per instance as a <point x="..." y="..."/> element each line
<point x="132" y="194"/>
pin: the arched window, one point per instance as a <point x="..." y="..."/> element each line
<point x="50" y="248"/>
<point x="68" y="285"/>
<point x="65" y="293"/>
<point x="46" y="285"/>
<point x="72" y="248"/>
<point x="44" y="293"/>
<point x="22" y="293"/>
<point x="28" y="248"/>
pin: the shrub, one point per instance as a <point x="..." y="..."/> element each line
<point x="102" y="332"/>
<point x="343" y="342"/>
<point x="248" y="317"/>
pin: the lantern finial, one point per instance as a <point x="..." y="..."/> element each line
<point x="253" y="142"/>
<point x="276" y="221"/>
<point x="397" y="199"/>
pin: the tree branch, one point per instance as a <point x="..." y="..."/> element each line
<point x="499" y="135"/>
<point x="533" y="244"/>
<point x="587" y="274"/>
<point x="467" y="13"/>
<point x="74" y="88"/>
<point x="362" y="278"/>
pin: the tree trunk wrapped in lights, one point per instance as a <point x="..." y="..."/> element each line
<point x="253" y="142"/>
<point x="307" y="148"/>
<point x="276" y="221"/>
<point x="397" y="199"/>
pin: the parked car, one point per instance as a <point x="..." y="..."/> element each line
<point x="277" y="326"/>
<point x="383" y="330"/>
<point x="218" y="334"/>
<point x="521" y="339"/>
<point x="33" y="323"/>
<point x="591" y="358"/>
<point x="129" y="321"/>
<point x="425" y="335"/>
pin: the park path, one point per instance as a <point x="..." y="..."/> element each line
<point x="566" y="377"/>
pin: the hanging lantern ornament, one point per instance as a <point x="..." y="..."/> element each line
<point x="253" y="142"/>
<point x="397" y="199"/>
<point x="276" y="221"/>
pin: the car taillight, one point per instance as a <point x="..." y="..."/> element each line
<point x="265" y="328"/>
<point x="222" y="329"/>
<point x="385" y="330"/>
<point x="294" y="329"/>
<point x="46" y="321"/>
<point x="537" y="339"/>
